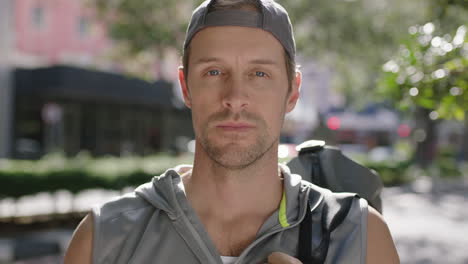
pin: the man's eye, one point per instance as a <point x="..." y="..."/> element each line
<point x="260" y="74"/>
<point x="214" y="72"/>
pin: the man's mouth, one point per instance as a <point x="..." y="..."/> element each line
<point x="235" y="126"/>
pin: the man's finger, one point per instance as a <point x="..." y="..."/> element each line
<point x="281" y="258"/>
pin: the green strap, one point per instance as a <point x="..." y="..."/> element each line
<point x="282" y="212"/>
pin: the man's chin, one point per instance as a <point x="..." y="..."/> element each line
<point x="235" y="156"/>
<point x="233" y="162"/>
<point x="225" y="145"/>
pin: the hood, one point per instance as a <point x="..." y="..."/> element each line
<point x="167" y="193"/>
<point x="162" y="192"/>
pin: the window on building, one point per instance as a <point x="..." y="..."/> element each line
<point x="84" y="26"/>
<point x="38" y="17"/>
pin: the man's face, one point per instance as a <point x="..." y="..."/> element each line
<point x="237" y="88"/>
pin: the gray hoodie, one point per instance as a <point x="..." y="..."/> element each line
<point x="156" y="224"/>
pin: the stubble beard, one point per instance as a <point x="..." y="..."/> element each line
<point x="232" y="155"/>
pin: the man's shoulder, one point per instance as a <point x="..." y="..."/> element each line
<point x="120" y="205"/>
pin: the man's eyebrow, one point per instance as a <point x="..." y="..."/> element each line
<point x="264" y="62"/>
<point x="207" y="60"/>
<point x="204" y="60"/>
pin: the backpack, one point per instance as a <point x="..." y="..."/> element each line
<point x="327" y="167"/>
<point x="333" y="210"/>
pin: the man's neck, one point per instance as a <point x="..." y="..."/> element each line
<point x="234" y="204"/>
<point x="212" y="188"/>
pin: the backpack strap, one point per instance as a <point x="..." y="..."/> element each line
<point x="305" y="236"/>
<point x="328" y="167"/>
<point x="331" y="213"/>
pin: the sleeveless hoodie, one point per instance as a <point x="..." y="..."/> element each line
<point x="156" y="224"/>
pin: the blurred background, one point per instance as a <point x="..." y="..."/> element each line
<point x="90" y="107"/>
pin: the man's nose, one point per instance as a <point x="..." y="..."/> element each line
<point x="235" y="95"/>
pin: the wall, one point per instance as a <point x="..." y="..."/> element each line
<point x="58" y="31"/>
<point x="6" y="37"/>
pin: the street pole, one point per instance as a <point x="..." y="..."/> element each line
<point x="6" y="90"/>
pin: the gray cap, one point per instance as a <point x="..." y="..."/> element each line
<point x="272" y="18"/>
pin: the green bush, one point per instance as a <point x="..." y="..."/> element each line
<point x="392" y="173"/>
<point x="54" y="172"/>
<point x="445" y="164"/>
<point x="395" y="172"/>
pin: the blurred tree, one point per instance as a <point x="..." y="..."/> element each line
<point x="143" y="30"/>
<point x="353" y="37"/>
<point x="429" y="71"/>
<point x="428" y="75"/>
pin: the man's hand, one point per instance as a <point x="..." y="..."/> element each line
<point x="281" y="258"/>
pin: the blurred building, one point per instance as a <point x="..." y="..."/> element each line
<point x="69" y="33"/>
<point x="373" y="126"/>
<point x="45" y="106"/>
<point x="63" y="108"/>
<point x="56" y="32"/>
<point x="316" y="98"/>
<point x="6" y="46"/>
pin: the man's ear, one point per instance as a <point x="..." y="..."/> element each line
<point x="293" y="95"/>
<point x="183" y="86"/>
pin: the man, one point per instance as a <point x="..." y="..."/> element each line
<point x="236" y="204"/>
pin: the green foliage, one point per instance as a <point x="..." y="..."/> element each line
<point x="55" y="173"/>
<point x="145" y="24"/>
<point x="144" y="31"/>
<point x="430" y="70"/>
<point x="392" y="173"/>
<point x="394" y="170"/>
<point x="445" y="165"/>
<point x="353" y="37"/>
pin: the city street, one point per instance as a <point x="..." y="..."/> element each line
<point x="96" y="98"/>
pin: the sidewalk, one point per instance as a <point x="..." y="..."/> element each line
<point x="429" y="227"/>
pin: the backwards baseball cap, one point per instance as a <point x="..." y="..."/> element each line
<point x="272" y="17"/>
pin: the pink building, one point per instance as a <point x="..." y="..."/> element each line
<point x="56" y="32"/>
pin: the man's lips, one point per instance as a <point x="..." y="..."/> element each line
<point x="235" y="126"/>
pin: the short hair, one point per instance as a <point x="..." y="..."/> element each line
<point x="253" y="5"/>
